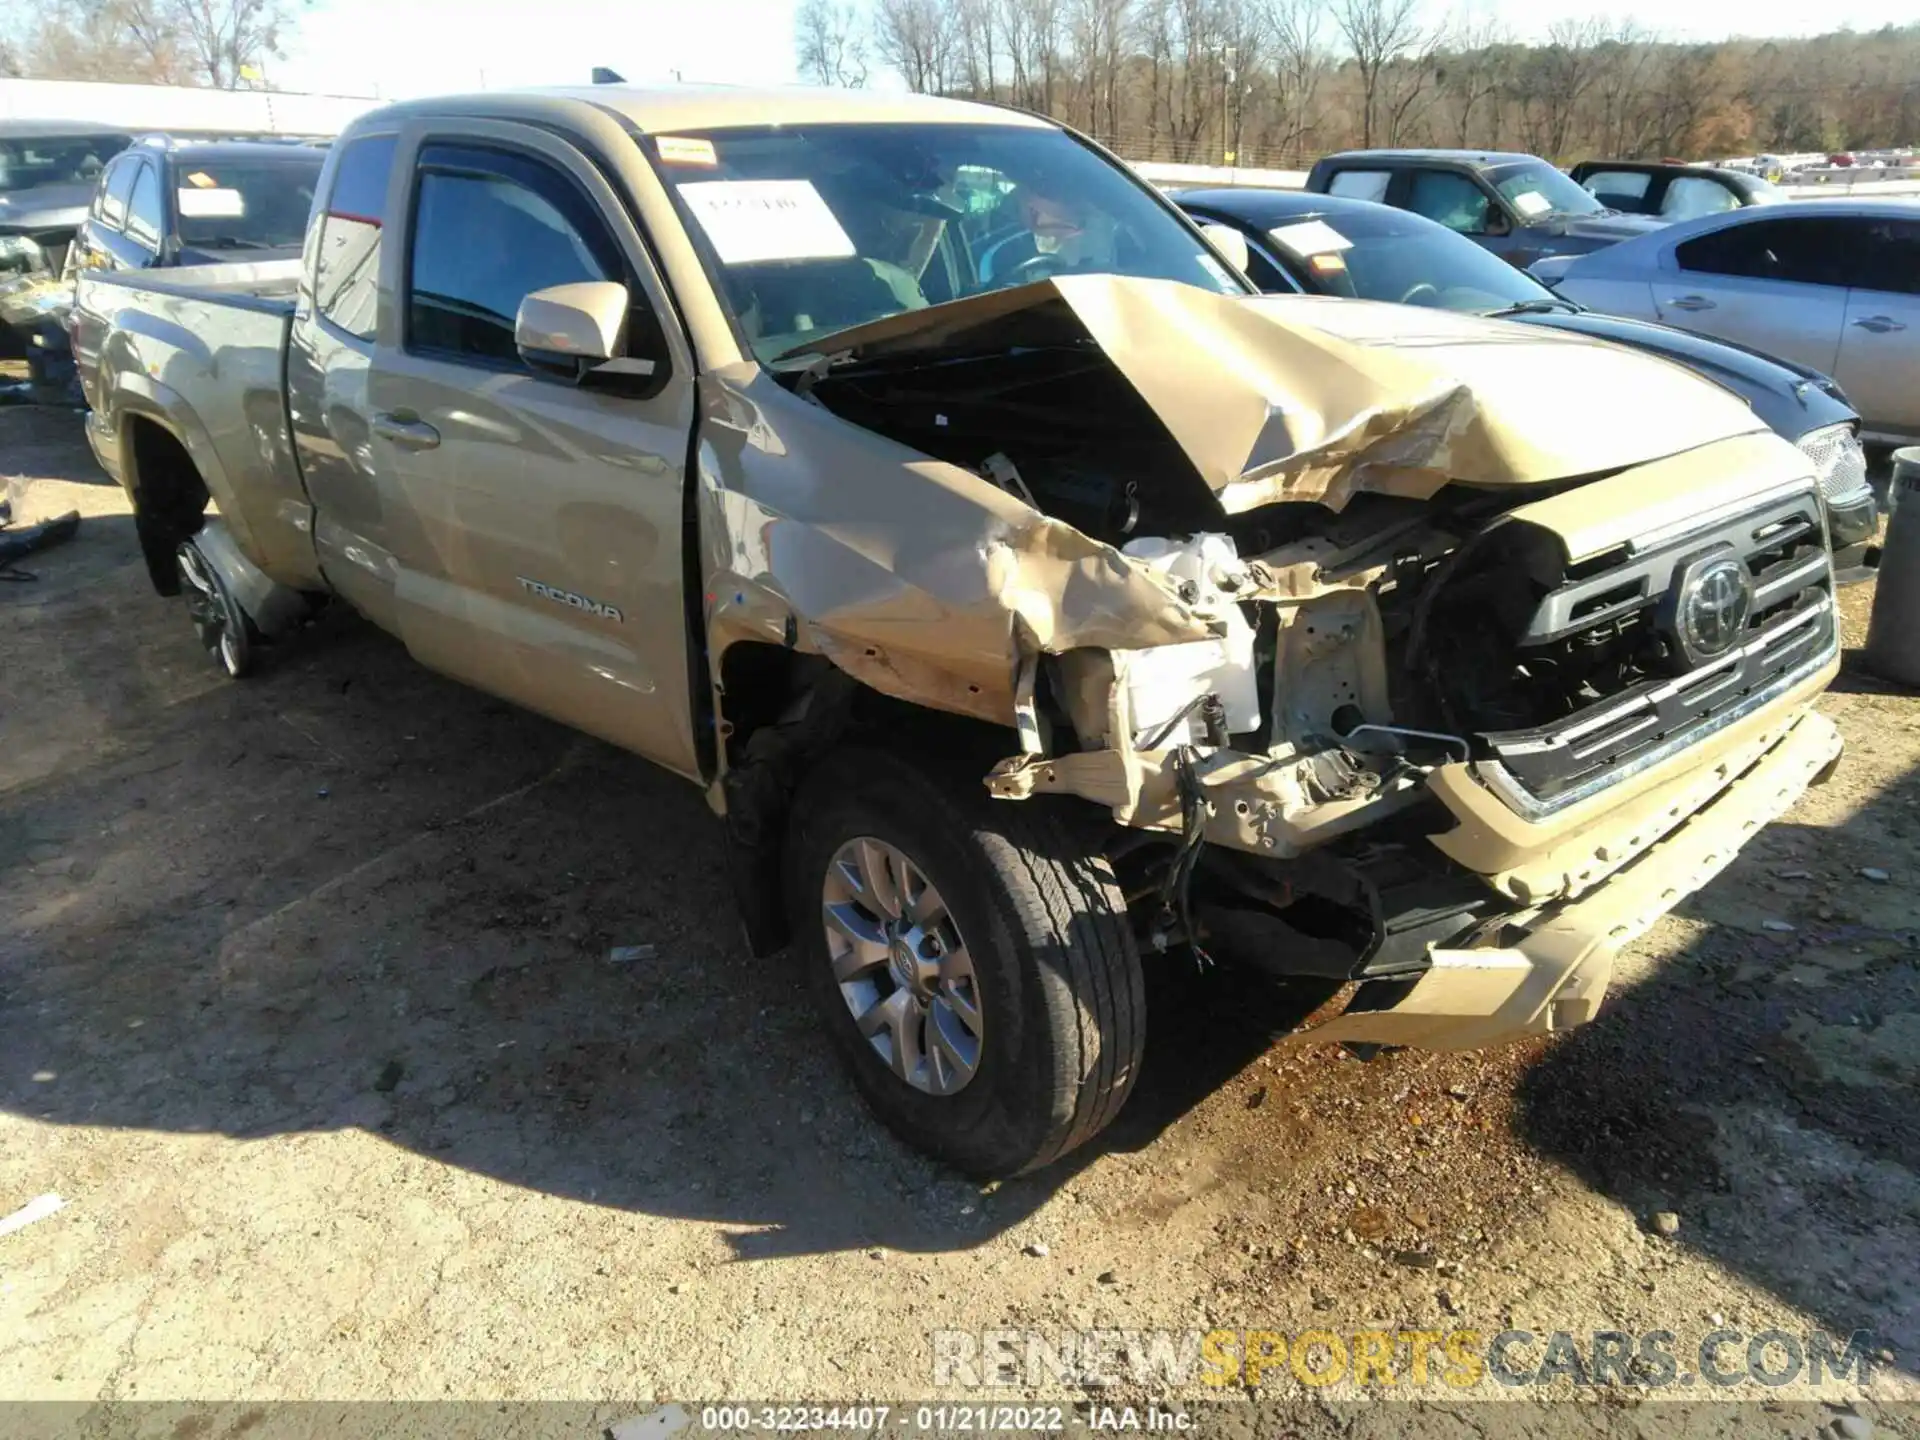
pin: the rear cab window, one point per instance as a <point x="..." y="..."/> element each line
<point x="346" y="259"/>
<point x="252" y="203"/>
<point x="1619" y="189"/>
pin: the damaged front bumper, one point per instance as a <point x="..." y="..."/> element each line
<point x="1552" y="975"/>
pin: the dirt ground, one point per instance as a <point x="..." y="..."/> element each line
<point x="306" y="1012"/>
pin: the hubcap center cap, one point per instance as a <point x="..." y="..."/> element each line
<point x="911" y="970"/>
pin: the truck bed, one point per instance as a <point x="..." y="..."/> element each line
<point x="200" y="352"/>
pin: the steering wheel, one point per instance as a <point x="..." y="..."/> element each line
<point x="1034" y="267"/>
<point x="1423" y="293"/>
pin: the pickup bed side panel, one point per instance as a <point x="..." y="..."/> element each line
<point x="209" y="369"/>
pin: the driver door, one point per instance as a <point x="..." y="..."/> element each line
<point x="536" y="528"/>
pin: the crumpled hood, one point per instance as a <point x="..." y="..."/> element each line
<point x="1304" y="398"/>
<point x="45" y="207"/>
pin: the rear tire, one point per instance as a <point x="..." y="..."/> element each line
<point x="1051" y="979"/>
<point x="224" y="630"/>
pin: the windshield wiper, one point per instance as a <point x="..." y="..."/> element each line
<point x="231" y="242"/>
<point x="1533" y="307"/>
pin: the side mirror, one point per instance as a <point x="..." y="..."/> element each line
<point x="1496" y="223"/>
<point x="577" y="334"/>
<point x="1231" y="244"/>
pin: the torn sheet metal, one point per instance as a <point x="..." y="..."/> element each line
<point x="917" y="577"/>
<point x="1277" y="398"/>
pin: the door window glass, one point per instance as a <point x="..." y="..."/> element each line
<point x="1810" y="251"/>
<point x="1889" y="259"/>
<point x="1453" y="200"/>
<point x="113" y="198"/>
<point x="146" y="214"/>
<point x="346" y="263"/>
<point x="1692" y="195"/>
<point x="482" y="242"/>
<point x="1361" y="184"/>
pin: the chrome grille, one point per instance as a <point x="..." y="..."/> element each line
<point x="1790" y="632"/>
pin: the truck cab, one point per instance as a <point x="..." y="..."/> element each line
<point x="1516" y="205"/>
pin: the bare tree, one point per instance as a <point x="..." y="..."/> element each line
<point x="1299" y="62"/>
<point x="974" y="26"/>
<point x="1379" y="33"/>
<point x="916" y="37"/>
<point x="831" y="44"/>
<point x="221" y="43"/>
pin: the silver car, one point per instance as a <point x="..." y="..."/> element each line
<point x="1832" y="284"/>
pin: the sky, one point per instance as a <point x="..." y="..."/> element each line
<point x="401" y="48"/>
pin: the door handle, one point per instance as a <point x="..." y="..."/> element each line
<point x="1690" y="302"/>
<point x="405" y="429"/>
<point x="1878" y="324"/>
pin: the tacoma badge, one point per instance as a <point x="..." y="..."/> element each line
<point x="567" y="597"/>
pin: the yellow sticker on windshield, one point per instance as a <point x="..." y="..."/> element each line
<point x="203" y="180"/>
<point x="1332" y="264"/>
<point x="686" y="150"/>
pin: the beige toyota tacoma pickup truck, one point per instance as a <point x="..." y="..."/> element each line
<point x="1031" y="599"/>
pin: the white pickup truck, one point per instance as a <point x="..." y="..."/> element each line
<point x="1032" y="600"/>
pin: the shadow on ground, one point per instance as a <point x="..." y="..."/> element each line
<point x="351" y="894"/>
<point x="1761" y="1082"/>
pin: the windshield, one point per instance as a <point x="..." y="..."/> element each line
<point x="1537" y="190"/>
<point x="251" y="204"/>
<point x="1395" y="256"/>
<point x="812" y="229"/>
<point x="56" y="160"/>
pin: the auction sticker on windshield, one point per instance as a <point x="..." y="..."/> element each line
<point x="756" y="220"/>
<point x="1532" y="204"/>
<point x="1310" y="237"/>
<point x="222" y="204"/>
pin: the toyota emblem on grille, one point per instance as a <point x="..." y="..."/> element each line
<point x="1715" y="596"/>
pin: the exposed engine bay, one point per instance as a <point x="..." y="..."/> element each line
<point x="1362" y="641"/>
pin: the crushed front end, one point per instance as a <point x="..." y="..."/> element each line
<point x="1394" y="672"/>
<point x="1496" y="741"/>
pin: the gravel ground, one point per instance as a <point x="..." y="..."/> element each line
<point x="306" y="1013"/>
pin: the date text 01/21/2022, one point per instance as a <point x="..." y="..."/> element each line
<point x="941" y="1419"/>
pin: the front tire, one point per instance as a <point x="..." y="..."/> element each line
<point x="970" y="958"/>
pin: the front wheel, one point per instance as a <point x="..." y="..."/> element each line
<point x="970" y="958"/>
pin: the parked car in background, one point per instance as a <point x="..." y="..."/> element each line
<point x="1672" y="191"/>
<point x="1518" y="206"/>
<point x="164" y="202"/>
<point x="1832" y="284"/>
<point x="190" y="202"/>
<point x="1322" y="245"/>
<point x="48" y="170"/>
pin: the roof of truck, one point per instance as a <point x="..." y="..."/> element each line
<point x="664" y="109"/>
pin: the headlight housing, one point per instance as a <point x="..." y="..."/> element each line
<point x="1841" y="467"/>
<point x="1839" y="462"/>
<point x="21" y="253"/>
